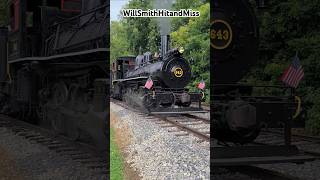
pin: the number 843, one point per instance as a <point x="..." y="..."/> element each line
<point x="220" y="34"/>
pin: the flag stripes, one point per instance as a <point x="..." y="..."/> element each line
<point x="294" y="74"/>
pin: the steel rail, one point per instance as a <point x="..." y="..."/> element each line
<point x="183" y="127"/>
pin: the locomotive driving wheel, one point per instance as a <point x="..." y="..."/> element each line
<point x="60" y="94"/>
<point x="78" y="99"/>
<point x="57" y="122"/>
<point x="59" y="97"/>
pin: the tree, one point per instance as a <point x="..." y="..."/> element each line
<point x="194" y="37"/>
<point x="142" y="32"/>
<point x="287" y="27"/>
<point x="3" y="12"/>
<point x="118" y="36"/>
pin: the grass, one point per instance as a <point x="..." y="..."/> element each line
<point x="116" y="161"/>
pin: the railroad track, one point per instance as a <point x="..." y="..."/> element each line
<point x="256" y="173"/>
<point x="275" y="137"/>
<point x="187" y="125"/>
<point x="79" y="152"/>
<point x="184" y="124"/>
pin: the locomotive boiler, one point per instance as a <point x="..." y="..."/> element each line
<point x="234" y="43"/>
<point x="53" y="55"/>
<point x="169" y="74"/>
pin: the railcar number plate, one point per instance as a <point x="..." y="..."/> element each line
<point x="220" y="34"/>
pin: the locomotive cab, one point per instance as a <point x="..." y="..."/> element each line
<point x="26" y="19"/>
<point x="121" y="66"/>
<point x="54" y="47"/>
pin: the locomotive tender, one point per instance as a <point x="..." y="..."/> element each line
<point x="239" y="112"/>
<point x="169" y="74"/>
<point x="52" y="58"/>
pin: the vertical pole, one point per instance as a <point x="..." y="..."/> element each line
<point x="22" y="28"/>
<point x="288" y="123"/>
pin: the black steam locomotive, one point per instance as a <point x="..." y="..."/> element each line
<point x="52" y="58"/>
<point x="156" y="84"/>
<point x="239" y="112"/>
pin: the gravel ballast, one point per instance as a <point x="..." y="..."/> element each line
<point x="157" y="154"/>
<point x="307" y="170"/>
<point x="35" y="161"/>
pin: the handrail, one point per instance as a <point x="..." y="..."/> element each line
<point x="80" y="15"/>
<point x="246" y="85"/>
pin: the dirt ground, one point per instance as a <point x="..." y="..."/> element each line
<point x="122" y="139"/>
<point x="8" y="168"/>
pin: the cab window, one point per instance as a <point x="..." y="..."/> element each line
<point x="71" y="5"/>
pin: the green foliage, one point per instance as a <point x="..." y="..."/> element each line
<point x="287" y="27"/>
<point x="141" y="31"/>
<point x="116" y="161"/>
<point x="3" y="12"/>
<point x="184" y="4"/>
<point x="132" y="35"/>
<point x="119" y="46"/>
<point x="194" y="37"/>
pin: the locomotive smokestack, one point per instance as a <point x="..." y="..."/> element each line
<point x="165" y="44"/>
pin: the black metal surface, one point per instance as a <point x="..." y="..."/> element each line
<point x="259" y="154"/>
<point x="260" y="173"/>
<point x="57" y="64"/>
<point x="163" y="70"/>
<point x="165" y="44"/>
<point x="170" y="74"/>
<point x="238" y="112"/>
<point x="234" y="54"/>
<point x="3" y="53"/>
<point x="55" y="31"/>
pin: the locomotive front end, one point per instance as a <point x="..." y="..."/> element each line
<point x="176" y="70"/>
<point x="169" y="93"/>
<point x="234" y="44"/>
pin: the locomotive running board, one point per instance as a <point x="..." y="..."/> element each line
<point x="179" y="112"/>
<point x="249" y="155"/>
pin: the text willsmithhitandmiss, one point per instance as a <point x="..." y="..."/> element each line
<point x="159" y="13"/>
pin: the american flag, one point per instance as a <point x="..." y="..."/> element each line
<point x="149" y="83"/>
<point x="201" y="85"/>
<point x="293" y="75"/>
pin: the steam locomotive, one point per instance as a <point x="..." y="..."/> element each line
<point x="168" y="74"/>
<point x="239" y="112"/>
<point x="52" y="59"/>
<point x="234" y="42"/>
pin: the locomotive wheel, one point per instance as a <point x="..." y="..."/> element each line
<point x="187" y="104"/>
<point x="73" y="132"/>
<point x="166" y="105"/>
<point x="77" y="98"/>
<point x="42" y="115"/>
<point x="57" y="122"/>
<point x="60" y="94"/>
<point x="149" y="102"/>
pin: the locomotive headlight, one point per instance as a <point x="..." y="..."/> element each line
<point x="181" y="50"/>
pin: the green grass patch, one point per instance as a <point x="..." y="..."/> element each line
<point x="116" y="160"/>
